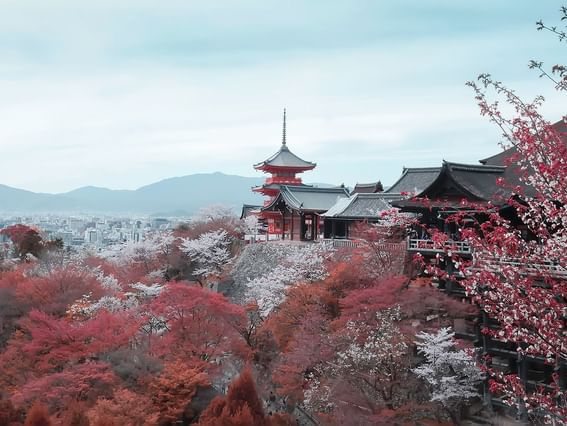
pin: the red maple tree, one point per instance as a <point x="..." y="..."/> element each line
<point x="241" y="406"/>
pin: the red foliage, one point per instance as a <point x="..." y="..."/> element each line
<point x="201" y="324"/>
<point x="241" y="406"/>
<point x="415" y="303"/>
<point x="300" y="300"/>
<point x="124" y="408"/>
<point x="25" y="238"/>
<point x="17" y="233"/>
<point x="9" y="415"/>
<point x="38" y="415"/>
<point x="75" y="415"/>
<point x="82" y="382"/>
<point x="53" y="343"/>
<point x="54" y="293"/>
<point x="56" y="359"/>
<point x="384" y="293"/>
<point x="173" y="390"/>
<point x="310" y="347"/>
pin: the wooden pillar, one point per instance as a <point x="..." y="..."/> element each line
<point x="291" y="225"/>
<point x="314" y="226"/>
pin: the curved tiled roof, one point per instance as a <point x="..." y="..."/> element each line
<point x="414" y="180"/>
<point x="285" y="158"/>
<point x="278" y="186"/>
<point x="368" y="188"/>
<point x="455" y="181"/>
<point x="360" y="206"/>
<point x="478" y="180"/>
<point x="309" y="198"/>
<point x="248" y="209"/>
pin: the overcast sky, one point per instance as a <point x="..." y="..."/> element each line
<point x="123" y="93"/>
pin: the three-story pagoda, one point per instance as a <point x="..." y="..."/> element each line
<point x="283" y="168"/>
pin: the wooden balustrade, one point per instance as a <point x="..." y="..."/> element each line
<point x="425" y="245"/>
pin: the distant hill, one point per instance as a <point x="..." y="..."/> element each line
<point x="170" y="196"/>
<point x="12" y="199"/>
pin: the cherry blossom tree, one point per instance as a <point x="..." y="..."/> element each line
<point x="558" y="74"/>
<point x="251" y="225"/>
<point x="209" y="219"/>
<point x="370" y="369"/>
<point x="292" y="264"/>
<point x="213" y="213"/>
<point x="210" y="252"/>
<point x="147" y="254"/>
<point x="518" y="275"/>
<point x="451" y="373"/>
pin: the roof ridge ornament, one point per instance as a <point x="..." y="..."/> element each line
<point x="284" y="128"/>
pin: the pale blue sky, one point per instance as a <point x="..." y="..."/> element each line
<point x="124" y="93"/>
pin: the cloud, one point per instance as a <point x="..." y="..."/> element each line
<point x="121" y="94"/>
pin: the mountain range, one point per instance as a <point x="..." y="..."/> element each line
<point x="178" y="196"/>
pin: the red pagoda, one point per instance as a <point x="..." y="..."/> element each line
<point x="283" y="168"/>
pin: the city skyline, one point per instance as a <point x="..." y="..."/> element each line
<point x="121" y="96"/>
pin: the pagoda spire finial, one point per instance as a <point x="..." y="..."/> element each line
<point x="284" y="129"/>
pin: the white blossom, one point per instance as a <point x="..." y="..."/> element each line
<point x="317" y="396"/>
<point x="251" y="225"/>
<point x="148" y="291"/>
<point x="108" y="282"/>
<point x="144" y="251"/>
<point x="214" y="212"/>
<point x="379" y="345"/>
<point x="293" y="264"/>
<point x="451" y="373"/>
<point x="210" y="252"/>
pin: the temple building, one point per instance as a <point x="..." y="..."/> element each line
<point x="341" y="219"/>
<point x="455" y="188"/>
<point x="291" y="209"/>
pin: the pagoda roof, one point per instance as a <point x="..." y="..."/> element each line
<point x="361" y="206"/>
<point x="367" y="188"/>
<point x="278" y="186"/>
<point x="414" y="180"/>
<point x="308" y="198"/>
<point x="284" y="158"/>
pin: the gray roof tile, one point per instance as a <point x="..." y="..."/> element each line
<point x="361" y="206"/>
<point x="285" y="158"/>
<point x="415" y="180"/>
<point x="309" y="198"/>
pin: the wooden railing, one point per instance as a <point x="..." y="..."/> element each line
<point x="424" y="245"/>
<point x="548" y="268"/>
<point x="338" y="243"/>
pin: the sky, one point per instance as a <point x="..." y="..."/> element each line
<point x="121" y="94"/>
